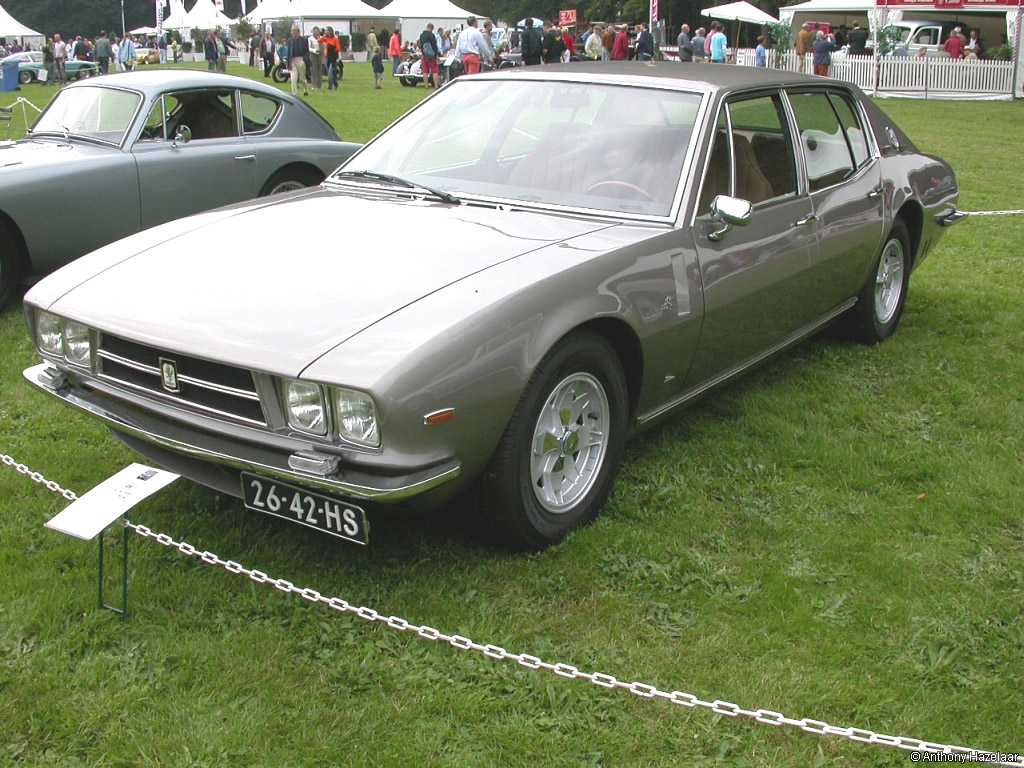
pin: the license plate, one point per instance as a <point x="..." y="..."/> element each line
<point x="313" y="510"/>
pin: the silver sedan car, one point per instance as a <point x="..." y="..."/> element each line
<point x="537" y="264"/>
<point x="115" y="155"/>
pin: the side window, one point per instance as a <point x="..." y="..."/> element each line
<point x="258" y="112"/>
<point x="851" y="125"/>
<point x="209" y="114"/>
<point x="762" y="150"/>
<point x="153" y="130"/>
<point x="717" y="179"/>
<point x="927" y="36"/>
<point x="822" y="140"/>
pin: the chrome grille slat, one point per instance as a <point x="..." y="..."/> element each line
<point x="130" y="367"/>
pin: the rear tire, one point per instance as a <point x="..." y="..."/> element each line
<point x="879" y="307"/>
<point x="557" y="460"/>
<point x="25" y="77"/>
<point x="291" y="180"/>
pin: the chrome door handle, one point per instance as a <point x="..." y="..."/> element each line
<point x="250" y="158"/>
<point x="876" y="192"/>
<point x="805" y="221"/>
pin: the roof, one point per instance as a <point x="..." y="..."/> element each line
<point x="739" y="11"/>
<point x="712" y="77"/>
<point x="11" y="27"/>
<point x="329" y="9"/>
<point x="426" y="9"/>
<point x="151" y="81"/>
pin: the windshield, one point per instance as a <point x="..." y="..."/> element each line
<point x="605" y="147"/>
<point x="93" y="112"/>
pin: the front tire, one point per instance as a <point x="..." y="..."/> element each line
<point x="25" y="77"/>
<point x="557" y="460"/>
<point x="291" y="180"/>
<point x="880" y="304"/>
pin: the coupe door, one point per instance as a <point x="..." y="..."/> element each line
<point x="844" y="179"/>
<point x="756" y="276"/>
<point x="214" y="168"/>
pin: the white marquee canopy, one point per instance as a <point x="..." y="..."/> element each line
<point x="740" y="11"/>
<point x="11" y="27"/>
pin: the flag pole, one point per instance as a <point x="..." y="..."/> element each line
<point x="123" y="28"/>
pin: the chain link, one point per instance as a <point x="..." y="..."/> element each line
<point x="568" y="671"/>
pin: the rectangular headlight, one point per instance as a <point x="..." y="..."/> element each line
<point x="356" y="417"/>
<point x="77" y="344"/>
<point x="304" y="403"/>
<point x="50" y="333"/>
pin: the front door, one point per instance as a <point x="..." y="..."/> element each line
<point x="844" y="180"/>
<point x="755" y="276"/>
<point x="213" y="168"/>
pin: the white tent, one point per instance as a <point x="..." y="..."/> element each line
<point x="741" y="11"/>
<point x="204" y="15"/>
<point x="538" y="23"/>
<point x="335" y="9"/>
<point x="269" y="10"/>
<point x="11" y="27"/>
<point x="148" y="31"/>
<point x="414" y="15"/>
<point x="177" y="19"/>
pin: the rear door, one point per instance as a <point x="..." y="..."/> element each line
<point x="214" y="168"/>
<point x="844" y="180"/>
<point x="755" y="276"/>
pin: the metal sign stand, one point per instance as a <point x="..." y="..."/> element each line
<point x="101" y="576"/>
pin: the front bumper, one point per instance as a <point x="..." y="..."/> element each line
<point x="142" y="427"/>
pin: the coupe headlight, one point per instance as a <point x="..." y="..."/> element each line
<point x="50" y="333"/>
<point x="77" y="344"/>
<point x="305" y="406"/>
<point x="356" y="417"/>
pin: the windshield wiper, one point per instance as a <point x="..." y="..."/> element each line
<point x="445" y="197"/>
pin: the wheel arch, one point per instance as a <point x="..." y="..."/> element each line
<point x="296" y="167"/>
<point x="913" y="216"/>
<point x="9" y="225"/>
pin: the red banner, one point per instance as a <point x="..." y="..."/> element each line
<point x="567" y="18"/>
<point x="654" y="12"/>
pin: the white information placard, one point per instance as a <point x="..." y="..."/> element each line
<point x="94" y="511"/>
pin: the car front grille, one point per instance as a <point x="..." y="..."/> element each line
<point x="212" y="388"/>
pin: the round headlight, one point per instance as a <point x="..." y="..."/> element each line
<point x="77" y="343"/>
<point x="357" y="417"/>
<point x="305" y="405"/>
<point x="50" y="333"/>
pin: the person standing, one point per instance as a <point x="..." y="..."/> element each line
<point x="683" y="42"/>
<point x="804" y="44"/>
<point x="210" y="51"/>
<point x="372" y="43"/>
<point x="761" y="53"/>
<point x="377" y="62"/>
<point x="532" y="47"/>
<point x="48" y="61"/>
<point x="315" y="60"/>
<point x="267" y="48"/>
<point x="254" y="49"/>
<point x="608" y="41"/>
<point x="954" y="44"/>
<point x="858" y="39"/>
<point x="644" y="44"/>
<point x="975" y="49"/>
<point x="161" y="46"/>
<point x="103" y="52"/>
<point x="553" y="44"/>
<point x="470" y="47"/>
<point x="697" y="45"/>
<point x="620" y="48"/>
<point x="427" y="43"/>
<point x="568" y="45"/>
<point x="298" y="52"/>
<point x="823" y="47"/>
<point x="126" y="54"/>
<point x="594" y="47"/>
<point x="719" y="44"/>
<point x="224" y="47"/>
<point x="332" y="52"/>
<point x="395" y="51"/>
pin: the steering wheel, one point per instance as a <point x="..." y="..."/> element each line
<point x="622" y="185"/>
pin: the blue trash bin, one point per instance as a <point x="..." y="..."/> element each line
<point x="9" y="76"/>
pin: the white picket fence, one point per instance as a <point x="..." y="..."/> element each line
<point x="915" y="76"/>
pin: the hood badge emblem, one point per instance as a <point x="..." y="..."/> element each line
<point x="169" y="375"/>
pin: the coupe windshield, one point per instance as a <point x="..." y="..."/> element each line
<point x="605" y="147"/>
<point x="93" y="112"/>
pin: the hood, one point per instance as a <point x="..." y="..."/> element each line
<point x="274" y="286"/>
<point x="29" y="154"/>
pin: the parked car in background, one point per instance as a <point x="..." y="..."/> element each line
<point x="925" y="38"/>
<point x="143" y="148"/>
<point x="30" y="64"/>
<point x="733" y="212"/>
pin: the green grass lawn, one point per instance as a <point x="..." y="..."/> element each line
<point x="840" y="535"/>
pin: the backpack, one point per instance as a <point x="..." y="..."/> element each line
<point x="429" y="51"/>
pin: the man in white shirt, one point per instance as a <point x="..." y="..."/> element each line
<point x="315" y="61"/>
<point x="471" y="47"/>
<point x="60" y="56"/>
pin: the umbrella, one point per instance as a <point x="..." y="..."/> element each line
<point x="143" y="31"/>
<point x="538" y="23"/>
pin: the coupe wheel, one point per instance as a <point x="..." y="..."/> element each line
<point x="25" y="77"/>
<point x="557" y="460"/>
<point x="291" y="180"/>
<point x="880" y="304"/>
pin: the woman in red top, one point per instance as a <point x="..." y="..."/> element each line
<point x="570" y="44"/>
<point x="620" y="50"/>
<point x="395" y="51"/>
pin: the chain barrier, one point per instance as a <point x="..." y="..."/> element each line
<point x="1014" y="212"/>
<point x="497" y="653"/>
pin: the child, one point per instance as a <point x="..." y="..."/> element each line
<point x="761" y="52"/>
<point x="378" y="68"/>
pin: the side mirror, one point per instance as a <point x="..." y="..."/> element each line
<point x="729" y="211"/>
<point x="183" y="135"/>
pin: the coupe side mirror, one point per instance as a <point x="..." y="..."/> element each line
<point x="729" y="211"/>
<point x="183" y="135"/>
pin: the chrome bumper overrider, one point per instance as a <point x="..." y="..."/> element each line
<point x="244" y="456"/>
